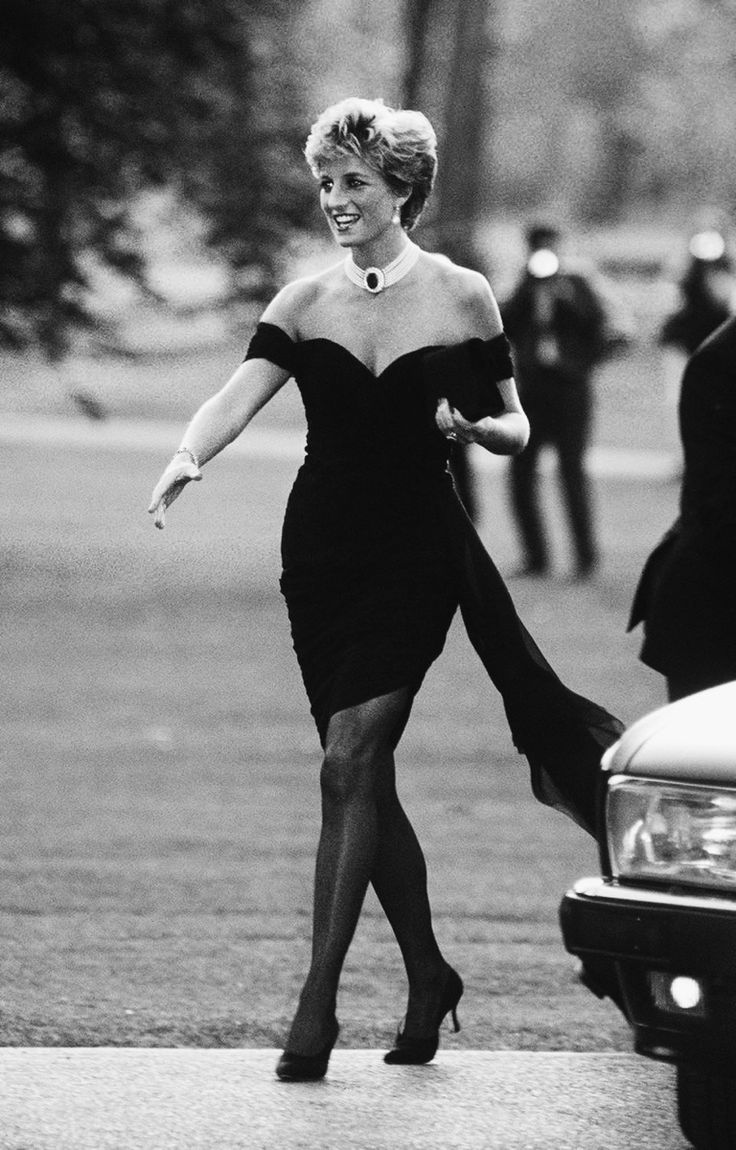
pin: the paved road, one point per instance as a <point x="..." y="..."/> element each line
<point x="183" y="1099"/>
<point x="285" y="443"/>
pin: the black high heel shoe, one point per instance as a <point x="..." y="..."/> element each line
<point x="293" y="1067"/>
<point x="409" y="1051"/>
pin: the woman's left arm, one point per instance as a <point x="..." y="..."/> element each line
<point x="508" y="432"/>
<point x="504" y="434"/>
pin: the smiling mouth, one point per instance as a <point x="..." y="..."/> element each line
<point x="343" y="222"/>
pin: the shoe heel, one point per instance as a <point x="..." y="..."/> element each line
<point x="415" y="1051"/>
<point x="453" y="994"/>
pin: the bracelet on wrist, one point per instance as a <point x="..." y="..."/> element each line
<point x="190" y="453"/>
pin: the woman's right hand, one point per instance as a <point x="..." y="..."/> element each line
<point x="180" y="471"/>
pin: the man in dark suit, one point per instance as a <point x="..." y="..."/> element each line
<point x="557" y="323"/>
<point x="687" y="592"/>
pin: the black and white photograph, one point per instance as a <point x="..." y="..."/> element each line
<point x="367" y="568"/>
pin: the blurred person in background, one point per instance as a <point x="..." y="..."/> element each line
<point x="706" y="293"/>
<point x="560" y="329"/>
<point x="707" y="290"/>
<point x="398" y="354"/>
<point x="686" y="596"/>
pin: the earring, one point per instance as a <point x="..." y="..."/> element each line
<point x="396" y="218"/>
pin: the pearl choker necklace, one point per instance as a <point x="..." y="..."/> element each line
<point x="374" y="280"/>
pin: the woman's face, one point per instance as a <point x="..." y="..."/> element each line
<point x="358" y="203"/>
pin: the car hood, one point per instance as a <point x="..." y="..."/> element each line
<point x="692" y="740"/>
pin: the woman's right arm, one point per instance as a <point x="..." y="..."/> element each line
<point x="218" y="422"/>
<point x="222" y="418"/>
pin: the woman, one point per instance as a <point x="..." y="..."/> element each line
<point x="388" y="347"/>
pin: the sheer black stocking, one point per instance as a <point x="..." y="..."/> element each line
<point x="365" y="837"/>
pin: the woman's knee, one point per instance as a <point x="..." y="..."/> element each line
<point x="353" y="771"/>
<point x="359" y="747"/>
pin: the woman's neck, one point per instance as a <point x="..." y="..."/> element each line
<point x="380" y="252"/>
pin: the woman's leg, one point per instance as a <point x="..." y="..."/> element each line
<point x="358" y="798"/>
<point x="399" y="879"/>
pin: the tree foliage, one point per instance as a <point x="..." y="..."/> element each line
<point x="100" y="101"/>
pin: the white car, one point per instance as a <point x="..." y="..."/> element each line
<point x="656" y="932"/>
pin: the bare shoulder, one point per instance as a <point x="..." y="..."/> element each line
<point x="470" y="293"/>
<point x="289" y="307"/>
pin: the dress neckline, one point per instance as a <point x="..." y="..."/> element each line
<point x="356" y="359"/>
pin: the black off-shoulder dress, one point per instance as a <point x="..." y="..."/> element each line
<point x="378" y="553"/>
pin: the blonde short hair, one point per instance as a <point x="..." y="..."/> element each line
<point x="400" y="145"/>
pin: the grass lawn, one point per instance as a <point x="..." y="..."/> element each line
<point x="159" y="766"/>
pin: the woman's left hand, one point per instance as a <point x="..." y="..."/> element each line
<point x="504" y="434"/>
<point x="453" y="424"/>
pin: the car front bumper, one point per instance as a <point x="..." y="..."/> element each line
<point x="643" y="939"/>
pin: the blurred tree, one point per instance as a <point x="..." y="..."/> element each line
<point x="607" y="109"/>
<point x="447" y="63"/>
<point x="604" y="63"/>
<point x="416" y="27"/>
<point x="256" y="190"/>
<point x="447" y="59"/>
<point x="685" y="117"/>
<point x="102" y="100"/>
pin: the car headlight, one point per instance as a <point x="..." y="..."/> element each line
<point x="672" y="832"/>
